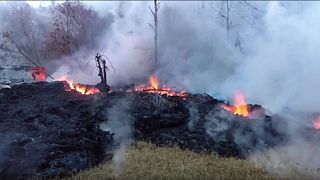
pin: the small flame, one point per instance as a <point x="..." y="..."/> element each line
<point x="153" y="80"/>
<point x="316" y="123"/>
<point x="240" y="106"/>
<point x="85" y="90"/>
<point x="154" y="87"/>
<point x="38" y="73"/>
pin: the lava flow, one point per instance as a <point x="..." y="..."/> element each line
<point x="82" y="89"/>
<point x="240" y="107"/>
<point x="154" y="87"/>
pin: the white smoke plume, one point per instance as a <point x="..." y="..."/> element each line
<point x="119" y="122"/>
<point x="281" y="70"/>
<point x="198" y="54"/>
<point x="194" y="116"/>
<point x="80" y="67"/>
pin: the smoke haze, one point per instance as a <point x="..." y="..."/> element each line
<point x="197" y="53"/>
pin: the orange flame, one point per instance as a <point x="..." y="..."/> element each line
<point x="38" y="73"/>
<point x="82" y="89"/>
<point x="316" y="123"/>
<point x="153" y="80"/>
<point x="154" y="87"/>
<point x="240" y="107"/>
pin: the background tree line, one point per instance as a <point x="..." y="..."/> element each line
<point x="39" y="35"/>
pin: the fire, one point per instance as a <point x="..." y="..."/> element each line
<point x="240" y="107"/>
<point x="154" y="82"/>
<point x="85" y="90"/>
<point x="82" y="89"/>
<point x="38" y="73"/>
<point x="154" y="87"/>
<point x="316" y="123"/>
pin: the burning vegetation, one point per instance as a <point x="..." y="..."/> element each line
<point x="177" y="118"/>
<point x="154" y="87"/>
<point x="240" y="106"/>
<point x="76" y="119"/>
<point x="70" y="86"/>
<point x="82" y="89"/>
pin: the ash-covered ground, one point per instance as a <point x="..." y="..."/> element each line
<point x="48" y="132"/>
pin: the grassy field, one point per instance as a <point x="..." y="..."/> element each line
<point x="146" y="161"/>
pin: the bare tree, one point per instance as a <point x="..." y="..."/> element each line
<point x="155" y="29"/>
<point x="22" y="36"/>
<point x="102" y="69"/>
<point x="237" y="16"/>
<point x="75" y="26"/>
<point x="225" y="13"/>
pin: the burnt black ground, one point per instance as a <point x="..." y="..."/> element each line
<point x="47" y="132"/>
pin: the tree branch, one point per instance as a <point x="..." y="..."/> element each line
<point x="152" y="11"/>
<point x="151" y="26"/>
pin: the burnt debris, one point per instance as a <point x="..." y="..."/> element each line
<point x="49" y="132"/>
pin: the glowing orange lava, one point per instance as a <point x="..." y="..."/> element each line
<point x="85" y="90"/>
<point x="316" y="123"/>
<point x="154" y="87"/>
<point x="240" y="107"/>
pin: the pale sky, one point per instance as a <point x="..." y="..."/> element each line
<point x="38" y="3"/>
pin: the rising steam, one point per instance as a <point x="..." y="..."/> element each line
<point x="119" y="121"/>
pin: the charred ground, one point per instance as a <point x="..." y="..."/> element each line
<point x="47" y="131"/>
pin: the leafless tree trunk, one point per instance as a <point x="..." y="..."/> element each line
<point x="105" y="68"/>
<point x="98" y="60"/>
<point x="155" y="28"/>
<point x="226" y="14"/>
<point x="21" y="36"/>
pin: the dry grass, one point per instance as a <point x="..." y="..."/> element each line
<point x="146" y="161"/>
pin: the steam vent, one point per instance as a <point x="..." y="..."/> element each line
<point x="159" y="90"/>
